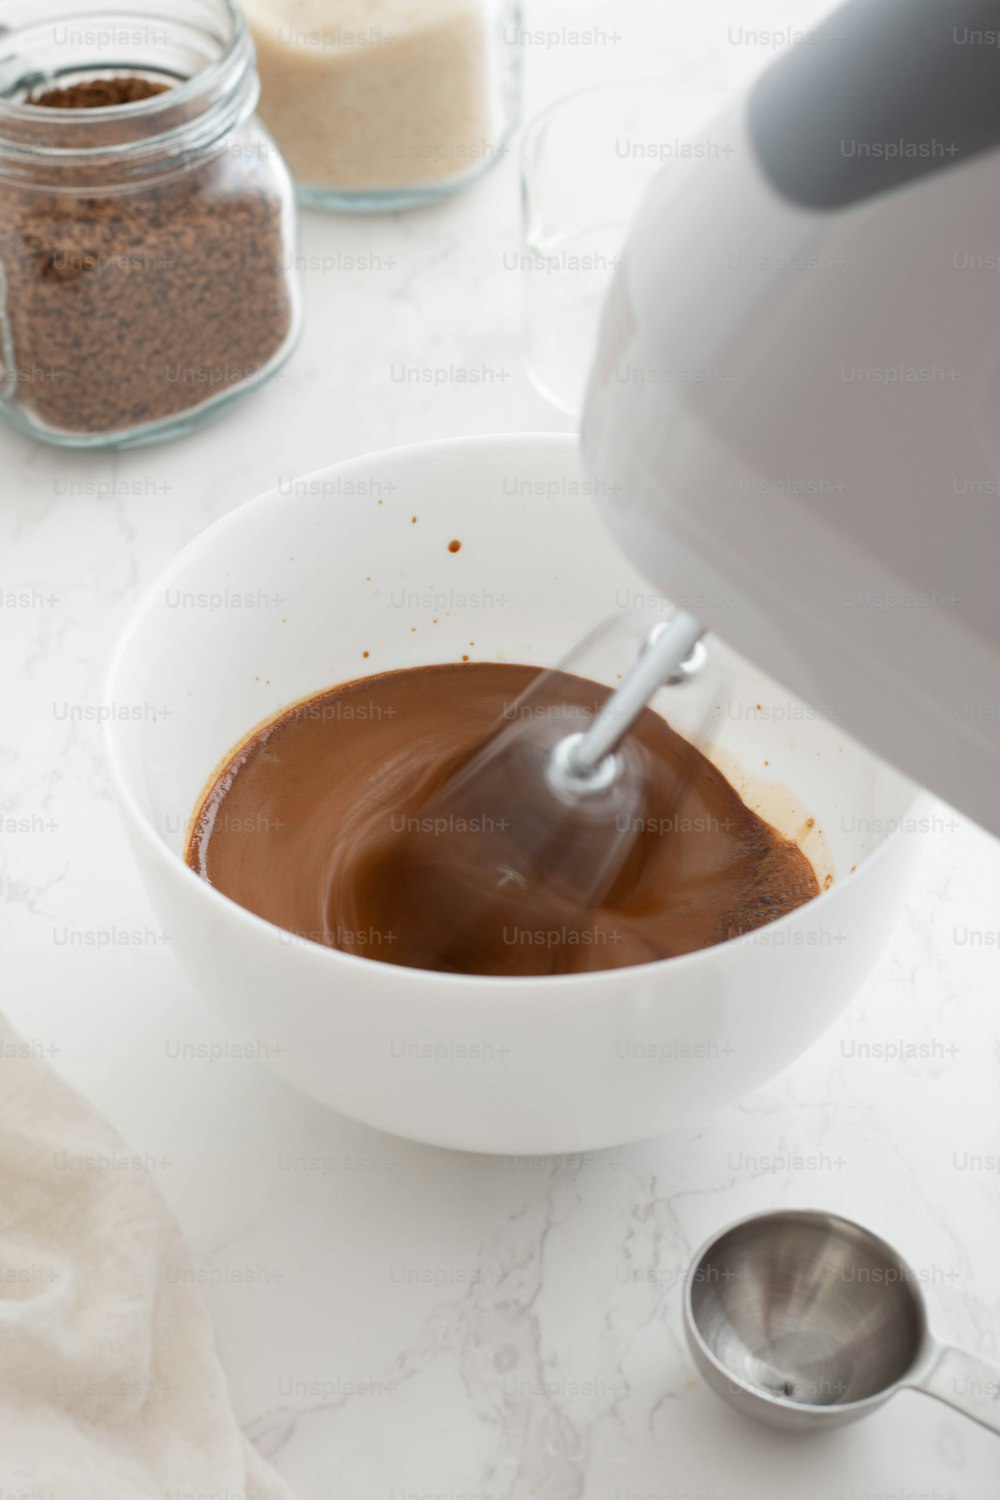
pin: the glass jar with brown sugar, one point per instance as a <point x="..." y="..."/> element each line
<point x="147" y="227"/>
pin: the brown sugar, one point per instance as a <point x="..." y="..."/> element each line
<point x="127" y="308"/>
<point x="100" y="93"/>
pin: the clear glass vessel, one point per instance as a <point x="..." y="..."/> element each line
<point x="586" y="163"/>
<point x="147" y="248"/>
<point x="388" y="106"/>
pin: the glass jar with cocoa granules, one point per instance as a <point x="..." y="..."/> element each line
<point x="147" y="227"/>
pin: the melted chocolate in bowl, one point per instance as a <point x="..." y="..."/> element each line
<point x="314" y="824"/>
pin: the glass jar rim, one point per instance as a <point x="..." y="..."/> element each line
<point x="175" y="110"/>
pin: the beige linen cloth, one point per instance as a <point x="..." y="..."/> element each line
<point x="110" y="1385"/>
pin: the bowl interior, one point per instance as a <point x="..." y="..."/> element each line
<point x="353" y="571"/>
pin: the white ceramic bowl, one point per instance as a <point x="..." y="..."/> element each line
<point x="334" y="567"/>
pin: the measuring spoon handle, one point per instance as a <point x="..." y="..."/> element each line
<point x="966" y="1383"/>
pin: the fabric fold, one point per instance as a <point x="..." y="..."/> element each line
<point x="110" y="1383"/>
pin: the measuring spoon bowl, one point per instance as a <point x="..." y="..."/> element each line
<point x="803" y="1319"/>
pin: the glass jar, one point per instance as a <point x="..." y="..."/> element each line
<point x="147" y="220"/>
<point x="387" y="104"/>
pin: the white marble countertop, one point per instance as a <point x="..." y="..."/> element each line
<point x="399" y="1323"/>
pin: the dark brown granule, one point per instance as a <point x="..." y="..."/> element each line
<point x="100" y="93"/>
<point x="128" y="308"/>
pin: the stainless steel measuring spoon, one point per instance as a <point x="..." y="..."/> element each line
<point x="807" y="1320"/>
